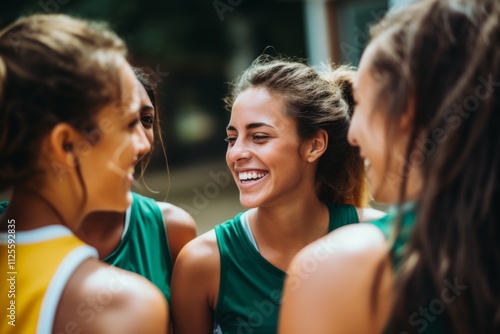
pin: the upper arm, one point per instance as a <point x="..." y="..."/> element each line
<point x="195" y="285"/>
<point x="180" y="227"/>
<point x="330" y="284"/>
<point x="103" y="299"/>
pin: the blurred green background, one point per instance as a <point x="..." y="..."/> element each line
<point x="194" y="48"/>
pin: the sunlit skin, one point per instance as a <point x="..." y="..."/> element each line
<point x="115" y="145"/>
<point x="104" y="229"/>
<point x="260" y="139"/>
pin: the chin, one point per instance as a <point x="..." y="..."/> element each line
<point x="129" y="200"/>
<point x="122" y="204"/>
<point x="249" y="203"/>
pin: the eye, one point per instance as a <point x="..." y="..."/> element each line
<point x="147" y="121"/>
<point x="230" y="140"/>
<point x="260" y="137"/>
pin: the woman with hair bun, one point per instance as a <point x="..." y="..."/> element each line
<point x="299" y="177"/>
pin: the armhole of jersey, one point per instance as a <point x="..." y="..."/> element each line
<point x="248" y="230"/>
<point x="219" y="236"/>
<point x="164" y="230"/>
<point x="127" y="221"/>
<point x="57" y="285"/>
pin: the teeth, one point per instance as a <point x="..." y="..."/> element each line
<point x="251" y="175"/>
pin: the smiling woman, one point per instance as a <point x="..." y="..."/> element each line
<point x="289" y="156"/>
<point x="70" y="138"/>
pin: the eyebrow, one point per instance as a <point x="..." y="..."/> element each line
<point x="250" y="126"/>
<point x="147" y="107"/>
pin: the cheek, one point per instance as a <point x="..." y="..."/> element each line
<point x="149" y="135"/>
<point x="228" y="160"/>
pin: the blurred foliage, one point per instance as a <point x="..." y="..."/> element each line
<point x="200" y="52"/>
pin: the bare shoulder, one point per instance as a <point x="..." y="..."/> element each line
<point x="369" y="214"/>
<point x="200" y="254"/>
<point x="351" y="248"/>
<point x="197" y="270"/>
<point x="103" y="299"/>
<point x="180" y="226"/>
<point x="337" y="275"/>
<point x="195" y="285"/>
<point x="174" y="215"/>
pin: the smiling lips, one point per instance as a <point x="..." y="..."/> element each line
<point x="251" y="176"/>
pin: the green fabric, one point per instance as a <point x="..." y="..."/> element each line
<point x="424" y="322"/>
<point x="250" y="287"/>
<point x="144" y="248"/>
<point x="386" y="225"/>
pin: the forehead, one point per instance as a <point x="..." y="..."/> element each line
<point x="257" y="104"/>
<point x="130" y="98"/>
<point x="143" y="94"/>
<point x="127" y="103"/>
<point x="364" y="70"/>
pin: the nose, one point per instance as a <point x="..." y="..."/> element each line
<point x="142" y="143"/>
<point x="351" y="133"/>
<point x="237" y="151"/>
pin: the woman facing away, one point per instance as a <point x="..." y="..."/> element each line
<point x="289" y="155"/>
<point x="62" y="79"/>
<point x="427" y="98"/>
<point x="147" y="238"/>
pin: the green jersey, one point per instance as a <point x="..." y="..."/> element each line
<point x="144" y="246"/>
<point x="425" y="322"/>
<point x="250" y="286"/>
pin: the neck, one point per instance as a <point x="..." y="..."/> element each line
<point x="280" y="232"/>
<point x="103" y="231"/>
<point x="413" y="186"/>
<point x="290" y="226"/>
<point x="34" y="208"/>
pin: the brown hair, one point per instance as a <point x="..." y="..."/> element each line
<point x="147" y="82"/>
<point x="317" y="102"/>
<point x="444" y="56"/>
<point x="53" y="68"/>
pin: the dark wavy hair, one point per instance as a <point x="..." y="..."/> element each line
<point x="444" y="57"/>
<point x="317" y="101"/>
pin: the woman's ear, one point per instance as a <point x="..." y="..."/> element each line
<point x="61" y="141"/>
<point x="316" y="146"/>
<point x="61" y="146"/>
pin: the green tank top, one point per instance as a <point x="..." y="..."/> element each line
<point x="386" y="225"/>
<point x="250" y="286"/>
<point x="426" y="319"/>
<point x="144" y="248"/>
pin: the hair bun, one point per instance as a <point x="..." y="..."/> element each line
<point x="342" y="77"/>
